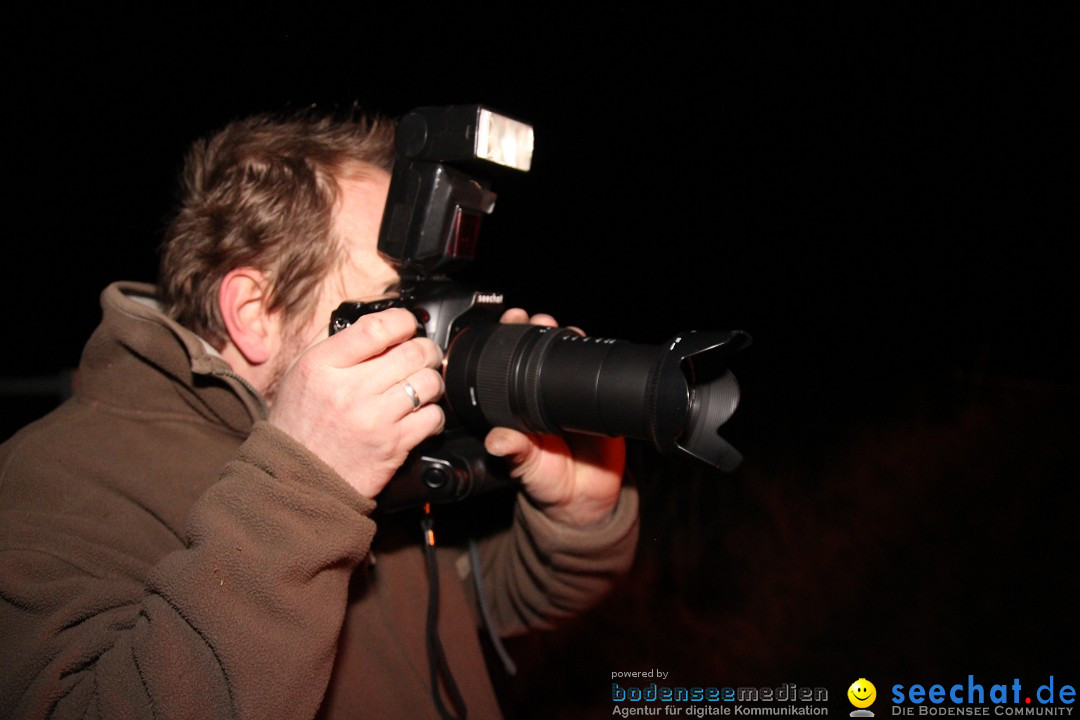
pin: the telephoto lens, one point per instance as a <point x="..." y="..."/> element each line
<point x="554" y="380"/>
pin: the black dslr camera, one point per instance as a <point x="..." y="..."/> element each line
<point x="536" y="379"/>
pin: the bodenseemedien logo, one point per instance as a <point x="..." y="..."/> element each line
<point x="862" y="694"/>
<point x="677" y="700"/>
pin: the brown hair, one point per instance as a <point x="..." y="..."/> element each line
<point x="261" y="193"/>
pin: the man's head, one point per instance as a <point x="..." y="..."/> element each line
<point x="277" y="222"/>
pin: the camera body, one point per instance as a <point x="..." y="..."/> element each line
<point x="439" y="192"/>
<point x="535" y="379"/>
<point x="453" y="465"/>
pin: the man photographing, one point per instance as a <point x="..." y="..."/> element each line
<point x="192" y="534"/>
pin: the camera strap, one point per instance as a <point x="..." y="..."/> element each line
<point x="485" y="612"/>
<point x="439" y="669"/>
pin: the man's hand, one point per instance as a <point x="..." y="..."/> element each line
<point x="347" y="398"/>
<point x="574" y="479"/>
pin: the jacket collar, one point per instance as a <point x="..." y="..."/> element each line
<point x="140" y="360"/>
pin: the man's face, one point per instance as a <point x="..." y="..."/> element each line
<point x="362" y="274"/>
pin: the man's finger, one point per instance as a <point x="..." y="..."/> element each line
<point x="418" y="426"/>
<point x="516" y="316"/>
<point x="369" y="336"/>
<point x="423" y="387"/>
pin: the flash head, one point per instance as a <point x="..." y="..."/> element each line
<point x="463" y="134"/>
<point x="437" y="191"/>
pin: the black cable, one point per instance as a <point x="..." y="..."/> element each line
<point x="485" y="612"/>
<point x="440" y="670"/>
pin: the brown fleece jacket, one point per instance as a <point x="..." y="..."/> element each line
<point x="164" y="552"/>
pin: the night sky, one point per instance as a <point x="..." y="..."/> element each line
<point x="885" y="200"/>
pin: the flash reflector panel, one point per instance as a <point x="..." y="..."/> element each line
<point x="502" y="140"/>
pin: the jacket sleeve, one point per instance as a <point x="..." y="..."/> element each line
<point x="240" y="619"/>
<point x="540" y="572"/>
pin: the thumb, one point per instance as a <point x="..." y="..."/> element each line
<point x="517" y="446"/>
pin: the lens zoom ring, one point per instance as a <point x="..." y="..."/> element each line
<point x="530" y="407"/>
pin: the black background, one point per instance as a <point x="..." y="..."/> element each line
<point x="884" y="199"/>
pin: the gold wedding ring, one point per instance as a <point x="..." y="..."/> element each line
<point x="411" y="391"/>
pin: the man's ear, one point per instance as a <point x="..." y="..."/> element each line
<point x="252" y="330"/>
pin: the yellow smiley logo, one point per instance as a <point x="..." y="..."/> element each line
<point x="862" y="693"/>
